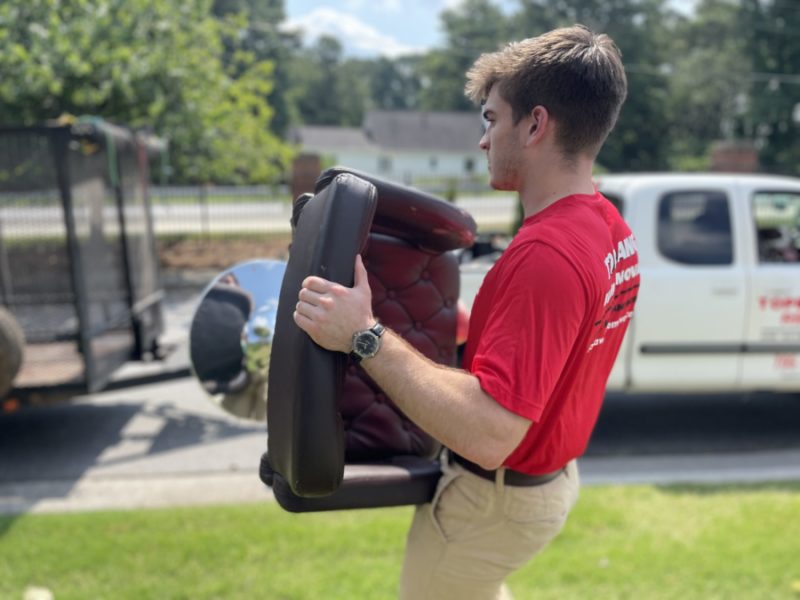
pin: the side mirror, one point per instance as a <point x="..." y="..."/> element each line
<point x="230" y="338"/>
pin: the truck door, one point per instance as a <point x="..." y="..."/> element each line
<point x="772" y="351"/>
<point x="689" y="324"/>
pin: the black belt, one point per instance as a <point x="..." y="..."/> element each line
<point x="511" y="477"/>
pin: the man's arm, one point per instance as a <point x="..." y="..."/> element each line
<point x="447" y="403"/>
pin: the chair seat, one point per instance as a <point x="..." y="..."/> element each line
<point x="399" y="481"/>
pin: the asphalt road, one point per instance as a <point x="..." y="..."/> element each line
<point x="166" y="444"/>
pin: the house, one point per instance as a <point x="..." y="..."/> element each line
<point x="404" y="146"/>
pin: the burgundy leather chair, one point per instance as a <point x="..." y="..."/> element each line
<point x="335" y="440"/>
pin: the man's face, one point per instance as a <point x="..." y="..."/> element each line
<point x="502" y="142"/>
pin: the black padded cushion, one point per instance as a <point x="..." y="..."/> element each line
<point x="414" y="216"/>
<point x="399" y="481"/>
<point x="306" y="441"/>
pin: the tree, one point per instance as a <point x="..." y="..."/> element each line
<point x="144" y="63"/>
<point x="709" y="82"/>
<point x="256" y="30"/>
<point x="353" y="86"/>
<point x="314" y="73"/>
<point x="640" y="140"/>
<point x="771" y="31"/>
<point x="474" y="27"/>
<point x="395" y="84"/>
<point x="326" y="90"/>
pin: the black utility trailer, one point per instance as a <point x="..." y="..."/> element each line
<point x="78" y="263"/>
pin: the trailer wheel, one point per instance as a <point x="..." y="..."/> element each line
<point x="12" y="344"/>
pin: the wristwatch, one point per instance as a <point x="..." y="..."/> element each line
<point x="367" y="343"/>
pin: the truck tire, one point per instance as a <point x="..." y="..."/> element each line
<point x="12" y="345"/>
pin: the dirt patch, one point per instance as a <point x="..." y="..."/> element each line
<point x="219" y="253"/>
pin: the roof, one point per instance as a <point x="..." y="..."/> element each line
<point x="326" y="137"/>
<point x="402" y="130"/>
<point x="621" y="183"/>
<point x="417" y="130"/>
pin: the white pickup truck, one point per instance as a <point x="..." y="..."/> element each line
<point x="719" y="304"/>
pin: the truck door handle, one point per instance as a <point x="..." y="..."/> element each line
<point x="725" y="291"/>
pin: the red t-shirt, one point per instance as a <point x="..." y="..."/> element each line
<point x="548" y="322"/>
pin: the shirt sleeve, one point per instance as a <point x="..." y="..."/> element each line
<point x="534" y="322"/>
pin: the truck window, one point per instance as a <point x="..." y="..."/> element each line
<point x="694" y="228"/>
<point x="777" y="223"/>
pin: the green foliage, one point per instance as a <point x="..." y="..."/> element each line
<point x="395" y="84"/>
<point x="620" y="542"/>
<point x="239" y="148"/>
<point x="772" y="41"/>
<point x="143" y="63"/>
<point x="319" y="86"/>
<point x="726" y="71"/>
<point x="709" y="73"/>
<point x="640" y="140"/>
<point x="473" y="27"/>
<point x="224" y="82"/>
<point x="258" y="33"/>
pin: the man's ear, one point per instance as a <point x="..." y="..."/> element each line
<point x="538" y="122"/>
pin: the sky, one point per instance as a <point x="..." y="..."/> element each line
<point x="371" y="28"/>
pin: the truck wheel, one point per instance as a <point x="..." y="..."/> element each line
<point x="12" y="344"/>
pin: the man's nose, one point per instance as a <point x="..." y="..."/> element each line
<point x="484" y="143"/>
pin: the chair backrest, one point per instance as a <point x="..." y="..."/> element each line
<point x="324" y="412"/>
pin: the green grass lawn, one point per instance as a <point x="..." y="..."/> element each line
<point x="632" y="542"/>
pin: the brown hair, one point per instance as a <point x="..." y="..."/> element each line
<point x="577" y="75"/>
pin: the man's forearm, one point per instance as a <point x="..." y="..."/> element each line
<point x="447" y="403"/>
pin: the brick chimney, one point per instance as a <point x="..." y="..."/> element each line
<point x="734" y="157"/>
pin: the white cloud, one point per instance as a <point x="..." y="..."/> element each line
<point x="353" y="33"/>
<point x="392" y="6"/>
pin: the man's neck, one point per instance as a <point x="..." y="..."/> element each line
<point x="544" y="186"/>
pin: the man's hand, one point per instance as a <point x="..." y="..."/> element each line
<point x="331" y="313"/>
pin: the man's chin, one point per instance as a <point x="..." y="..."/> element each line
<point x="501" y="186"/>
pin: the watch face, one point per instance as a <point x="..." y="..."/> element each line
<point x="366" y="344"/>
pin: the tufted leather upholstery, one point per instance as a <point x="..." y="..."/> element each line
<point x="425" y="221"/>
<point x="415" y="281"/>
<point x="414" y="293"/>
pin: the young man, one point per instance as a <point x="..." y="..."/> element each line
<point x="545" y="328"/>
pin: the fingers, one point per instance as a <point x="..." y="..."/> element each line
<point x="309" y="311"/>
<point x="308" y="318"/>
<point x="303" y="322"/>
<point x="317" y="284"/>
<point x="329" y="312"/>
<point x="309" y="296"/>
<point x="360" y="278"/>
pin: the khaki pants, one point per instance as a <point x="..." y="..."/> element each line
<point x="476" y="532"/>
